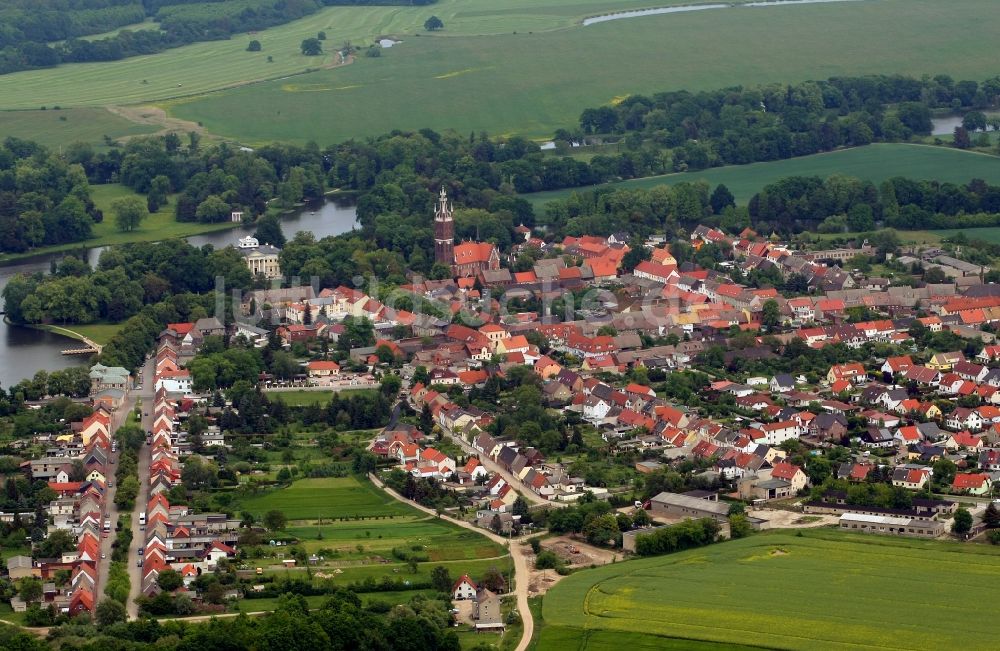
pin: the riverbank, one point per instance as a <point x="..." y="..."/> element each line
<point x="161" y="225"/>
<point x="94" y="334"/>
<point x="87" y="342"/>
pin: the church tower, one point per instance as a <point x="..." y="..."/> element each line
<point x="444" y="231"/>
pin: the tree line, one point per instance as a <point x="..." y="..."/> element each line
<point x="794" y="204"/>
<point x="340" y="622"/>
<point x="739" y="125"/>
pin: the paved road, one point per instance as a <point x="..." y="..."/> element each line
<point x="494" y="467"/>
<point x="514" y="545"/>
<point x="110" y="509"/>
<point x="138" y="536"/>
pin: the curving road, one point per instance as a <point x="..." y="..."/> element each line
<point x="516" y="548"/>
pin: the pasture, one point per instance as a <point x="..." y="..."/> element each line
<point x="823" y="590"/>
<point x="204" y="67"/>
<point x="531" y="82"/>
<point x="327" y="498"/>
<point x="55" y="128"/>
<point x="872" y="163"/>
<point x="515" y="66"/>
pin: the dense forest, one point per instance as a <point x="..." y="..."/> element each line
<point x="44" y="199"/>
<point x="45" y="33"/>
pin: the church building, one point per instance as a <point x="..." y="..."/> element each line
<point x="466" y="259"/>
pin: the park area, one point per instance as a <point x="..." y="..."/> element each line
<point x="874" y="163"/>
<point x="814" y="590"/>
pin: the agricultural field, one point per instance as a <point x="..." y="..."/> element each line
<point x="514" y="66"/>
<point x="56" y="128"/>
<point x="874" y="163"/>
<point x="532" y="83"/>
<point x="208" y="66"/>
<point x="820" y="590"/>
<point x="327" y="498"/>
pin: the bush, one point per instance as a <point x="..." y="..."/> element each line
<point x="994" y="536"/>
<point x="547" y="560"/>
<point x="686" y="535"/>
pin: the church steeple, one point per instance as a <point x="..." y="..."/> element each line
<point x="444" y="230"/>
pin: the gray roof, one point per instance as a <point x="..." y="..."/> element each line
<point x="685" y="501"/>
<point x="15" y="562"/>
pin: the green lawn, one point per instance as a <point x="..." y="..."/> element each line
<point x="56" y="129"/>
<point x="874" y="162"/>
<point x="99" y="332"/>
<point x="530" y="82"/>
<point x="302" y="397"/>
<point x="824" y="590"/>
<point x="7" y="614"/>
<point x="441" y="540"/>
<point x="160" y="225"/>
<point x="330" y="497"/>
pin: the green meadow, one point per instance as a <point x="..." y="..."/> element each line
<point x="873" y="163"/>
<point x="511" y="66"/>
<point x="442" y="540"/>
<point x="327" y="498"/>
<point x="209" y="66"/>
<point x="820" y="590"/>
<point x="532" y="82"/>
<point x="58" y="128"/>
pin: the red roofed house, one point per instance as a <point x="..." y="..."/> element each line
<point x="912" y="478"/>
<point x="972" y="483"/>
<point x="791" y="473"/>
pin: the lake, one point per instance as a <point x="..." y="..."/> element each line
<point x="26" y="350"/>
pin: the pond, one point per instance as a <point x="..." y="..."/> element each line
<point x="26" y="350"/>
